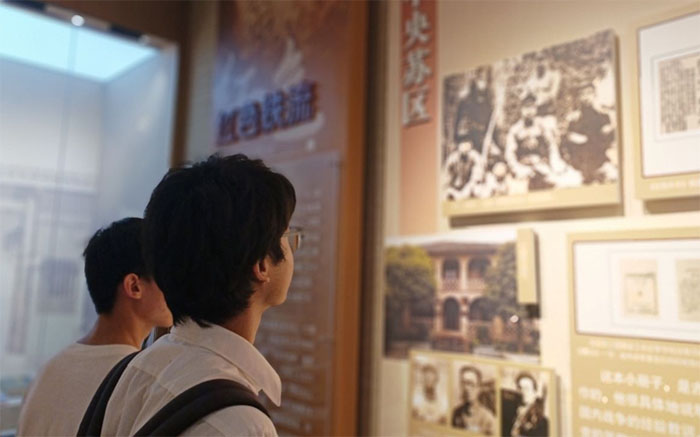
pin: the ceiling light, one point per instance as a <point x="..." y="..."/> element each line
<point x="77" y="20"/>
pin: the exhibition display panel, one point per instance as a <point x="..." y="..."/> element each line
<point x="547" y="153"/>
<point x="635" y="352"/>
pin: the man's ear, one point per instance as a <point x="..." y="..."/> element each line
<point x="261" y="270"/>
<point x="132" y="286"/>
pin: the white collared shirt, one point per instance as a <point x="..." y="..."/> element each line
<point x="187" y="356"/>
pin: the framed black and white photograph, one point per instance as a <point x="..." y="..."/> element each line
<point x="456" y="394"/>
<point x="429" y="390"/>
<point x="526" y="402"/>
<point x="535" y="131"/>
<point x="474" y="406"/>
<point x="669" y="90"/>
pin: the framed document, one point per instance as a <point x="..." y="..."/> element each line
<point x="688" y="283"/>
<point x="639" y="288"/>
<point x="668" y="155"/>
<point x="638" y="284"/>
<point x="635" y="305"/>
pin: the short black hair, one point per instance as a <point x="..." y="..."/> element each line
<point x="586" y="85"/>
<point x="112" y="253"/>
<point x="470" y="368"/>
<point x="525" y="375"/>
<point x="206" y="226"/>
<point x="529" y="99"/>
<point x="429" y="368"/>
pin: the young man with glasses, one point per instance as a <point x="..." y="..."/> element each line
<point x="218" y="239"/>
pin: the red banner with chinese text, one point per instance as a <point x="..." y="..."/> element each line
<point x="419" y="116"/>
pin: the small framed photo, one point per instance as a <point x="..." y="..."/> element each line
<point x="474" y="398"/>
<point x="639" y="287"/>
<point x="463" y="395"/>
<point x="429" y="390"/>
<point x="526" y="405"/>
<point x="688" y="283"/>
<point x="669" y="90"/>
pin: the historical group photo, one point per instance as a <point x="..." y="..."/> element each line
<point x="543" y="120"/>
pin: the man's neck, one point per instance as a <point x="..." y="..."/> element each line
<point x="111" y="329"/>
<point x="246" y="324"/>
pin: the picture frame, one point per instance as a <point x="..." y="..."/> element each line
<point x="463" y="291"/>
<point x="668" y="48"/>
<point x="648" y="282"/>
<point x="533" y="132"/>
<point x="504" y="393"/>
<point x="616" y="368"/>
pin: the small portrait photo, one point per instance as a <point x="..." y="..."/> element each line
<point x="688" y="274"/>
<point x="639" y="287"/>
<point x="474" y="397"/>
<point x="524" y="402"/>
<point x="429" y="382"/>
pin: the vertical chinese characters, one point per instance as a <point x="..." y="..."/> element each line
<point x="417" y="34"/>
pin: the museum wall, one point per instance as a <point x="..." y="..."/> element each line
<point x="474" y="33"/>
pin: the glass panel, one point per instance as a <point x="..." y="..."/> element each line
<point x="77" y="151"/>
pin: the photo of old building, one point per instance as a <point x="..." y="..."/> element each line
<point x="457" y="296"/>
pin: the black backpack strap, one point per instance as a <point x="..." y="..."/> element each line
<point x="91" y="425"/>
<point x="196" y="403"/>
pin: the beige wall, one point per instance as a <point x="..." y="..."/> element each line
<point x="473" y="33"/>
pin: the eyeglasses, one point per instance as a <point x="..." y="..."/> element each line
<point x="294" y="235"/>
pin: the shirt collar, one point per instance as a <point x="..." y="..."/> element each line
<point x="235" y="349"/>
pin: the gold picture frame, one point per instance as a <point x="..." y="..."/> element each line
<point x="614" y="376"/>
<point x="669" y="185"/>
<point x="511" y="143"/>
<point x="635" y="293"/>
<point x="545" y="377"/>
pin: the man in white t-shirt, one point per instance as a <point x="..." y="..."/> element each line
<point x="218" y="238"/>
<point x="129" y="304"/>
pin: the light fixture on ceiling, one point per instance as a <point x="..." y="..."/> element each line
<point x="69" y="45"/>
<point x="77" y="20"/>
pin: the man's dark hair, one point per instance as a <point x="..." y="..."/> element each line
<point x="205" y="228"/>
<point x="529" y="99"/>
<point x="112" y="253"/>
<point x="525" y="375"/>
<point x="429" y="368"/>
<point x="472" y="369"/>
